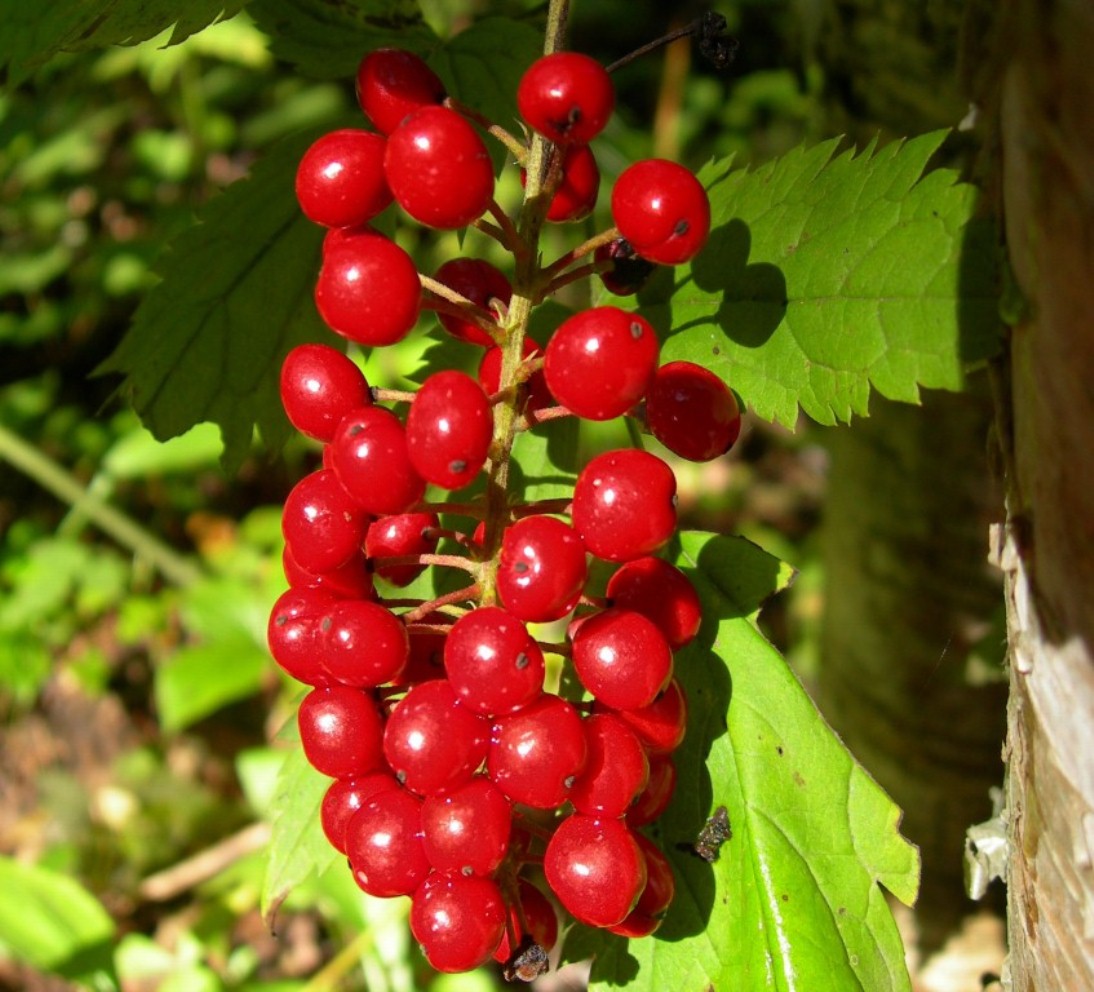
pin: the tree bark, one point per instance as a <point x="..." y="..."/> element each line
<point x="1045" y="100"/>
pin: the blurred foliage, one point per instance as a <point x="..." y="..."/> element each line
<point x="140" y="714"/>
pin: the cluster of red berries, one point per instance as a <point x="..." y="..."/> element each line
<point x="457" y="777"/>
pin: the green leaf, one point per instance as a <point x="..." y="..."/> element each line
<point x="794" y="899"/>
<point x="298" y="847"/>
<point x="34" y="33"/>
<point x="325" y="39"/>
<point x="825" y="276"/>
<point x="195" y="682"/>
<point x="545" y="460"/>
<point x="237" y="293"/>
<point x="47" y="919"/>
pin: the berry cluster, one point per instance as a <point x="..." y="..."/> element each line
<point x="458" y="778"/>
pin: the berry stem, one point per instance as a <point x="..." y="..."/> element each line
<point x="516" y="147"/>
<point x="444" y="299"/>
<point x="451" y="561"/>
<point x="708" y="27"/>
<point x="443" y="603"/>
<point x="381" y="395"/>
<point x="513" y="241"/>
<point x="536" y="417"/>
<point x="563" y="262"/>
<point x="573" y="275"/>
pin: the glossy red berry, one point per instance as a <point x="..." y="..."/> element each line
<point x="599" y="362"/>
<point x="432" y="742"/>
<point x="542" y="569"/>
<point x="660" y="887"/>
<point x="293" y="632"/>
<point x="657" y="795"/>
<point x="661" y="725"/>
<point x="392" y="83"/>
<point x="616" y="768"/>
<point x="476" y="280"/>
<point x="340" y="730"/>
<point x="537" y="753"/>
<point x="624" y="504"/>
<point x="628" y="273"/>
<point x="340" y="180"/>
<point x="538" y="395"/>
<point x="322" y="523"/>
<point x="368" y="289"/>
<point x="346" y="796"/>
<point x="449" y="429"/>
<point x="661" y="592"/>
<point x="467" y="829"/>
<point x="350" y="580"/>
<point x="596" y="868"/>
<point x="492" y="662"/>
<point x="438" y="168"/>
<point x="692" y="412"/>
<point x="567" y="97"/>
<point x="384" y="844"/>
<point x="622" y="659"/>
<point x="319" y="386"/>
<point x="362" y="643"/>
<point x="458" y="919"/>
<point x="662" y="210"/>
<point x="578" y="188"/>
<point x="401" y="534"/>
<point x="369" y="454"/>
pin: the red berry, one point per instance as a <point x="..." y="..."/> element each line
<point x="492" y="662"/>
<point x="661" y="592"/>
<point x="657" y="795"/>
<point x="599" y="362"/>
<point x="661" y="725"/>
<point x="432" y="742"/>
<point x="363" y="644"/>
<point x="340" y="180"/>
<point x="629" y="273"/>
<point x="449" y="429"/>
<point x="577" y="191"/>
<point x="616" y="769"/>
<point x="369" y="454"/>
<point x="537" y="753"/>
<point x="350" y="580"/>
<point x="567" y="97"/>
<point x="624" y="504"/>
<point x="662" y="210"/>
<point x="468" y="829"/>
<point x="539" y="396"/>
<point x="368" y="289"/>
<point x="542" y="569"/>
<point x="596" y="868"/>
<point x="293" y="632"/>
<point x="384" y="844"/>
<point x="660" y="882"/>
<point x="622" y="659"/>
<point x="438" y="168"/>
<point x="346" y="796"/>
<point x="401" y="534"/>
<point x="392" y="83"/>
<point x="340" y="730"/>
<point x="319" y="386"/>
<point x="458" y="919"/>
<point x="322" y="523"/>
<point x="692" y="412"/>
<point x="478" y="281"/>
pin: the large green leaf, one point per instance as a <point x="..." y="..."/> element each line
<point x="794" y="900"/>
<point x="35" y="32"/>
<point x="237" y="294"/>
<point x="49" y="920"/>
<point x="825" y="276"/>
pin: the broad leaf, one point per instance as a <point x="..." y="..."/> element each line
<point x="794" y="899"/>
<point x="823" y="277"/>
<point x="35" y="32"/>
<point x="197" y="681"/>
<point x="47" y="919"/>
<point x="298" y="847"/>
<point x="237" y="293"/>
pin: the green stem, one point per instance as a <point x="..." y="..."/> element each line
<point x="115" y="524"/>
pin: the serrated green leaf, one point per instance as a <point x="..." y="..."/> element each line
<point x="298" y="847"/>
<point x="48" y="919"/>
<point x="237" y="294"/>
<point x="325" y="39"/>
<point x="824" y="277"/>
<point x="34" y="33"/>
<point x="794" y="900"/>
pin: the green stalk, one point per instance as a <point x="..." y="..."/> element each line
<point x="111" y="521"/>
<point x="525" y="287"/>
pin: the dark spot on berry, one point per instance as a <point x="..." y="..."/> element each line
<point x="355" y="430"/>
<point x="400" y="777"/>
<point x="522" y="660"/>
<point x="458" y="466"/>
<point x="467" y="872"/>
<point x="325" y="624"/>
<point x="636" y="330"/>
<point x="281" y="620"/>
<point x="568" y="781"/>
<point x="520" y="567"/>
<point x="682" y="227"/>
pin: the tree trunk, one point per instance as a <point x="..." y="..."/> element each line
<point x="1045" y="90"/>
